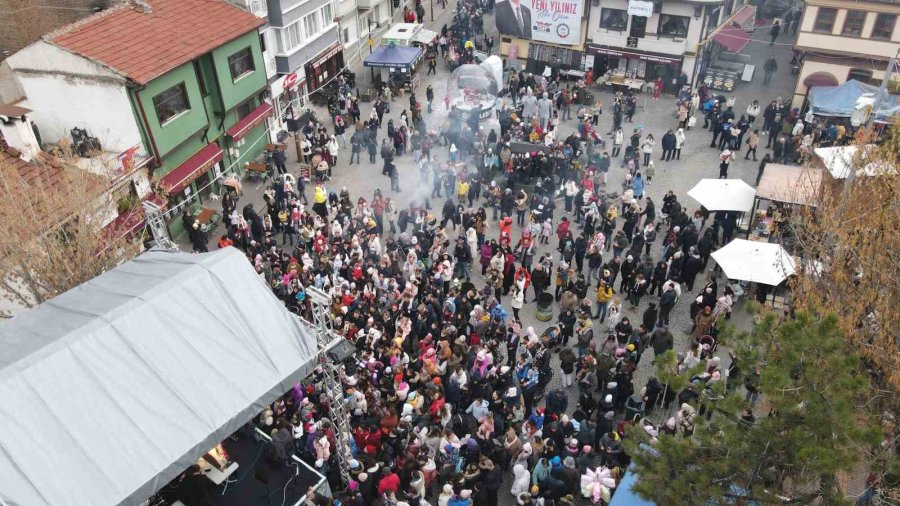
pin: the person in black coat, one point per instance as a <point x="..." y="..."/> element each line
<point x="650" y="316"/>
<point x="692" y="266"/>
<point x="668" y="145"/>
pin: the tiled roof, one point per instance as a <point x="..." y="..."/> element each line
<point x="143" y="46"/>
<point x="44" y="172"/>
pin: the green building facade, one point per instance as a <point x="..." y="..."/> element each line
<point x="205" y="119"/>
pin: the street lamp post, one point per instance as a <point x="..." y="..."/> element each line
<point x="431" y="3"/>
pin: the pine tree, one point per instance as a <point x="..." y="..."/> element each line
<point x="808" y="425"/>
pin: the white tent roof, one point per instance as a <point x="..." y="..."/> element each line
<point x="111" y="389"/>
<point x="839" y="159"/>
<point x="758" y="262"/>
<point x="723" y="194"/>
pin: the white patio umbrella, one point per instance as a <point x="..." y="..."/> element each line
<point x="758" y="262"/>
<point x="723" y="194"/>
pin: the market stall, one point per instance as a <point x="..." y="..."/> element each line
<point x="838" y="161"/>
<point x="397" y="65"/>
<point x="841" y="101"/>
<point x="723" y="194"/>
<point x="755" y="262"/>
<point x="781" y="190"/>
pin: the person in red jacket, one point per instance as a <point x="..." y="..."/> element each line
<point x="389" y="482"/>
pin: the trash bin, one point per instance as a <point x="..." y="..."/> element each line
<point x="544" y="310"/>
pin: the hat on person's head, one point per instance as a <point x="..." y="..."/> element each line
<point x="504" y="369"/>
<point x="573" y="443"/>
<point x="363" y="477"/>
<point x="586" y="449"/>
<point x="353" y="485"/>
<point x="354" y="464"/>
<point x="512" y="392"/>
<point x="448" y="488"/>
<point x="569" y="462"/>
<point x="465" y="493"/>
<point x="608" y="399"/>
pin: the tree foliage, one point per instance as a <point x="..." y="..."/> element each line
<point x="808" y="427"/>
<point x="853" y="239"/>
<point x="53" y="237"/>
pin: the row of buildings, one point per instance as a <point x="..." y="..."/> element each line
<point x="704" y="41"/>
<point x="174" y="93"/>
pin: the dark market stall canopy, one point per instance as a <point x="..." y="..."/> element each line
<point x="394" y="56"/>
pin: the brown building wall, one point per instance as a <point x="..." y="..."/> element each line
<point x="25" y="21"/>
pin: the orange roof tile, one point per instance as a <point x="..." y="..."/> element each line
<point x="143" y="46"/>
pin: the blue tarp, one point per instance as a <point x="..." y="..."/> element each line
<point x="840" y="100"/>
<point x="624" y="496"/>
<point x="393" y="56"/>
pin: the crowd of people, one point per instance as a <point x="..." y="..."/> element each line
<point x="449" y="389"/>
<point x="451" y="395"/>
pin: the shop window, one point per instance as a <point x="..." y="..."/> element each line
<point x="171" y="103"/>
<point x="853" y="25"/>
<point x="673" y="26"/>
<point x="613" y="19"/>
<point x="241" y="63"/>
<point x="861" y="75"/>
<point x="884" y="26"/>
<point x="825" y="20"/>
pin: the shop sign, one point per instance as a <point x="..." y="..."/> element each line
<point x="633" y="55"/>
<point x="290" y="80"/>
<point x="640" y="8"/>
<point x="335" y="49"/>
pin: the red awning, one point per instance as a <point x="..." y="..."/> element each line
<point x="187" y="172"/>
<point x="250" y="121"/>
<point x="734" y="39"/>
<point x="744" y="14"/>
<point x="820" y="79"/>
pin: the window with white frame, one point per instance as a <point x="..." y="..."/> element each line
<point x="311" y="24"/>
<point x="328" y="13"/>
<point x="290" y="38"/>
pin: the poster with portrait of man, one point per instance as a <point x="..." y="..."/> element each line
<point x="556" y="21"/>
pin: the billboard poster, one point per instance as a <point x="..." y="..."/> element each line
<point x="555" y="21"/>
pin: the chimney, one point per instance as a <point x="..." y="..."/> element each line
<point x="16" y="130"/>
<point x="141" y="6"/>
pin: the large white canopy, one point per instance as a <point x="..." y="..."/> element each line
<point x="723" y="194"/>
<point x="758" y="262"/>
<point x="111" y="389"/>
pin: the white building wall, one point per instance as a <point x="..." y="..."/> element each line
<point x="66" y="91"/>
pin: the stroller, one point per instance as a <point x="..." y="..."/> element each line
<point x="708" y="345"/>
<point x="634" y="408"/>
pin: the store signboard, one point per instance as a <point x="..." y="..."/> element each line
<point x="633" y="55"/>
<point x="640" y="8"/>
<point x="555" y="21"/>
